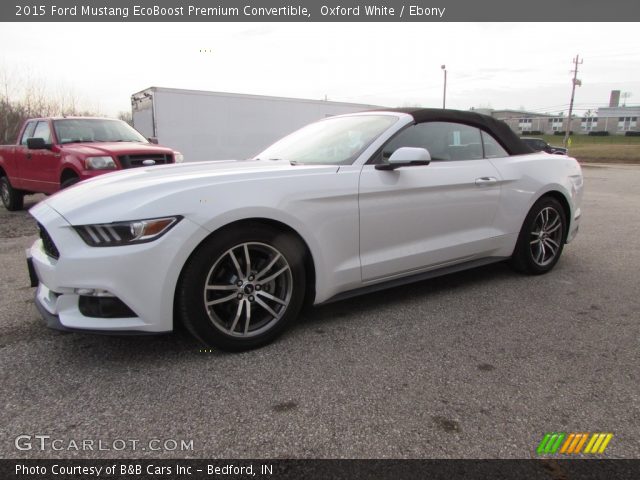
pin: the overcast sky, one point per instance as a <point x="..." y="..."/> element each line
<point x="501" y="65"/>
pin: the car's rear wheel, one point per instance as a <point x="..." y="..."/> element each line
<point x="241" y="288"/>
<point x="542" y="237"/>
<point x="12" y="199"/>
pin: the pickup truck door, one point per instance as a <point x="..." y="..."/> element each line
<point x="41" y="166"/>
<point x="416" y="218"/>
<point x="17" y="168"/>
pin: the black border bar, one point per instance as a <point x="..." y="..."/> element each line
<point x="320" y="11"/>
<point x="535" y="469"/>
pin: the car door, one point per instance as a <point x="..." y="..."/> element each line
<point x="421" y="217"/>
<point x="43" y="164"/>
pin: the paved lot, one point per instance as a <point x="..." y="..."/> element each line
<point x="478" y="364"/>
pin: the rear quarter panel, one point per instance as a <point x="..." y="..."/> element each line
<point x="526" y="178"/>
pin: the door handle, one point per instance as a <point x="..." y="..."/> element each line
<point x="28" y="156"/>
<point x="485" y="181"/>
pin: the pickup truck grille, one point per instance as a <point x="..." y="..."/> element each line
<point x="49" y="247"/>
<point x="133" y="161"/>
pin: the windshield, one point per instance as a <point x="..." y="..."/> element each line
<point x="72" y="130"/>
<point x="334" y="141"/>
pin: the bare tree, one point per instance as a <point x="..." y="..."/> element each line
<point x="23" y="97"/>
<point x="126" y="117"/>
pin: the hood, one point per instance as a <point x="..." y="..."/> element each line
<point x="177" y="189"/>
<point x="114" y="148"/>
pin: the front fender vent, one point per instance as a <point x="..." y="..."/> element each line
<point x="47" y="243"/>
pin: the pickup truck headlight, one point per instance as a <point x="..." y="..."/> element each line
<point x="126" y="233"/>
<point x="178" y="157"/>
<point x="100" y="163"/>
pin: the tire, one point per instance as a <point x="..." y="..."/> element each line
<point x="271" y="290"/>
<point x="68" y="182"/>
<point x="12" y="199"/>
<point x="541" y="238"/>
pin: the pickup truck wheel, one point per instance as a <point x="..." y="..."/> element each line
<point x="12" y="199"/>
<point x="68" y="182"/>
<point x="242" y="287"/>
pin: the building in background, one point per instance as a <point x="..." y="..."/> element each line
<point x="615" y="119"/>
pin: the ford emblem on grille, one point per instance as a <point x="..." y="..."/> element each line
<point x="148" y="162"/>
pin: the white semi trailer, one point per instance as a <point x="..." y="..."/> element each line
<point x="217" y="126"/>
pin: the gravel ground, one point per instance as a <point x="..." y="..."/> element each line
<point x="473" y="365"/>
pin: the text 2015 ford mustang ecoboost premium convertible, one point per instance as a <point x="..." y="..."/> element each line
<point x="347" y="205"/>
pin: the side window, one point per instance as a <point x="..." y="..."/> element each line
<point x="28" y="132"/>
<point x="444" y="140"/>
<point x="42" y="131"/>
<point x="492" y="149"/>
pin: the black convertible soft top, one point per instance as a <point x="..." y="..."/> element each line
<point x="497" y="128"/>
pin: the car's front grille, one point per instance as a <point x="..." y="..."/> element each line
<point x="47" y="243"/>
<point x="132" y="161"/>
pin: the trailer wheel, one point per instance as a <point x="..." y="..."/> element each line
<point x="12" y="199"/>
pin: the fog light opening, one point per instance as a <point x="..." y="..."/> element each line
<point x="104" y="307"/>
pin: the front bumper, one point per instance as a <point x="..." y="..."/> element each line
<point x="53" y="321"/>
<point x="143" y="277"/>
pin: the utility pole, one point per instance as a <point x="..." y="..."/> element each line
<point x="575" y="82"/>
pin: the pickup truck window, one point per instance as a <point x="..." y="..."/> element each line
<point x="75" y="130"/>
<point x="28" y="132"/>
<point x="42" y="131"/>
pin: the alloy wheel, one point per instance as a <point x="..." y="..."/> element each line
<point x="248" y="289"/>
<point x="546" y="236"/>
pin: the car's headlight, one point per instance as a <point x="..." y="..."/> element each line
<point x="100" y="163"/>
<point x="178" y="157"/>
<point x="125" y="233"/>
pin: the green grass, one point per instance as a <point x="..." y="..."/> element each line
<point x="611" y="149"/>
<point x="587" y="140"/>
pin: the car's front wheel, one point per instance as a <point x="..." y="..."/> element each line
<point x="542" y="237"/>
<point x="242" y="286"/>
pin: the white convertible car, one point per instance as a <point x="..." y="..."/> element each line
<point x="348" y="205"/>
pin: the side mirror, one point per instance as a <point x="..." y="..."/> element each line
<point x="406" y="157"/>
<point x="153" y="140"/>
<point x="36" y="144"/>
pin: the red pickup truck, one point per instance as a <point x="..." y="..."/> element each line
<point x="54" y="153"/>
